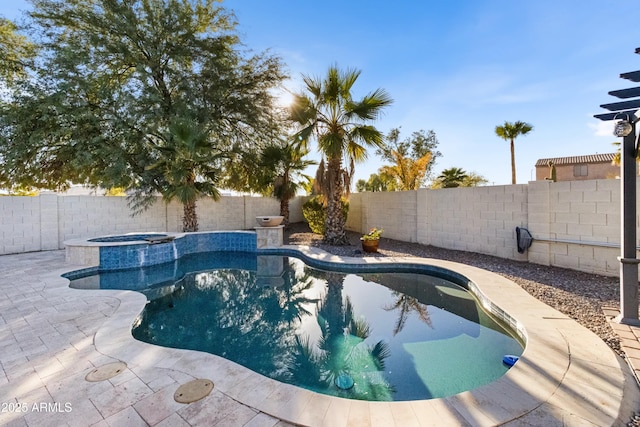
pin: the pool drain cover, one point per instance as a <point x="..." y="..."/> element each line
<point x="344" y="381"/>
<point x="105" y="372"/>
<point x="193" y="391"/>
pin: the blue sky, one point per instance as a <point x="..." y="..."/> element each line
<point x="461" y="68"/>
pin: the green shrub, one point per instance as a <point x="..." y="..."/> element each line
<point x="315" y="213"/>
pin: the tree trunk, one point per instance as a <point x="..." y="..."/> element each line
<point x="334" y="223"/>
<point x="513" y="162"/>
<point x="333" y="305"/>
<point x="190" y="218"/>
<point x="284" y="211"/>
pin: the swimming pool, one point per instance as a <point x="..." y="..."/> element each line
<point x="385" y="335"/>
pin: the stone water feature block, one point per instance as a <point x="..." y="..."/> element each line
<point x="269" y="237"/>
<point x="270" y="271"/>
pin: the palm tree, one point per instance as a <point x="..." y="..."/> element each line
<point x="339" y="124"/>
<point x="616" y="157"/>
<point x="509" y="132"/>
<point x="186" y="165"/>
<point x="284" y="165"/>
<point x="292" y="294"/>
<point x="340" y="348"/>
<point x="450" y="178"/>
<point x="406" y="304"/>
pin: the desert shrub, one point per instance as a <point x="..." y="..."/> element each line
<point x="315" y="213"/>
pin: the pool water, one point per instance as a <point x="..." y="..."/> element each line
<point x="126" y="238"/>
<point x="383" y="336"/>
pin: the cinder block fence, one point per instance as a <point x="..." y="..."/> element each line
<point x="44" y="222"/>
<point x="575" y="224"/>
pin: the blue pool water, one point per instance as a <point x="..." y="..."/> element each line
<point x="373" y="336"/>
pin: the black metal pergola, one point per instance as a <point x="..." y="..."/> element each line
<point x="627" y="113"/>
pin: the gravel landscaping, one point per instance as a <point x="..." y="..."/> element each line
<point x="580" y="296"/>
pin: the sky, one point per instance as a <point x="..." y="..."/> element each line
<point x="460" y="68"/>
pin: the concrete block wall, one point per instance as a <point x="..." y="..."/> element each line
<point x="228" y="213"/>
<point x="395" y="212"/>
<point x="575" y="224"/>
<point x="423" y="224"/>
<point x="295" y="209"/>
<point x="44" y="222"/>
<point x="354" y="217"/>
<point x="174" y="213"/>
<point x="90" y="216"/>
<point x="257" y="206"/>
<point x="539" y="221"/>
<point x="21" y="224"/>
<point x="582" y="221"/>
<point x="49" y="229"/>
<point x="481" y="219"/>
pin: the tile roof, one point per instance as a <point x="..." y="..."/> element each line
<point x="589" y="158"/>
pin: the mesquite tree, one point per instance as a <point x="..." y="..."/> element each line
<point x="111" y="80"/>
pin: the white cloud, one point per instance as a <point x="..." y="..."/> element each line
<point x="483" y="86"/>
<point x="602" y="128"/>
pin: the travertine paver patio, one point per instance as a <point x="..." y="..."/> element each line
<point x="629" y="339"/>
<point x="51" y="336"/>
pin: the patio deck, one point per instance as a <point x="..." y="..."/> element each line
<point x="53" y="336"/>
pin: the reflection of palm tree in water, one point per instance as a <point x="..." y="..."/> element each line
<point x="407" y="304"/>
<point x="342" y="349"/>
<point x="292" y="294"/>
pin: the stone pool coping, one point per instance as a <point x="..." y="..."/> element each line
<point x="566" y="375"/>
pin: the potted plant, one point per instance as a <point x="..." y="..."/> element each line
<point x="371" y="240"/>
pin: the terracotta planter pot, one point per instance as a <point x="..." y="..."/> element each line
<point x="370" y="245"/>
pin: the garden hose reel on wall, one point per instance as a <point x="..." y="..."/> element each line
<point x="523" y="239"/>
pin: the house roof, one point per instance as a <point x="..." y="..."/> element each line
<point x="572" y="160"/>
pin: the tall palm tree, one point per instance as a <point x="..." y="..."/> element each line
<point x="328" y="113"/>
<point x="509" y="132"/>
<point x="186" y="167"/>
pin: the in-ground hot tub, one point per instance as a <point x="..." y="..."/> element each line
<point x="133" y="250"/>
<point x="125" y="238"/>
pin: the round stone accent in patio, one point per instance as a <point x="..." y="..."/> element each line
<point x="193" y="391"/>
<point x="105" y="372"/>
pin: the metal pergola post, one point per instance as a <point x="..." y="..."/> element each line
<point x="628" y="111"/>
<point x="627" y="258"/>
